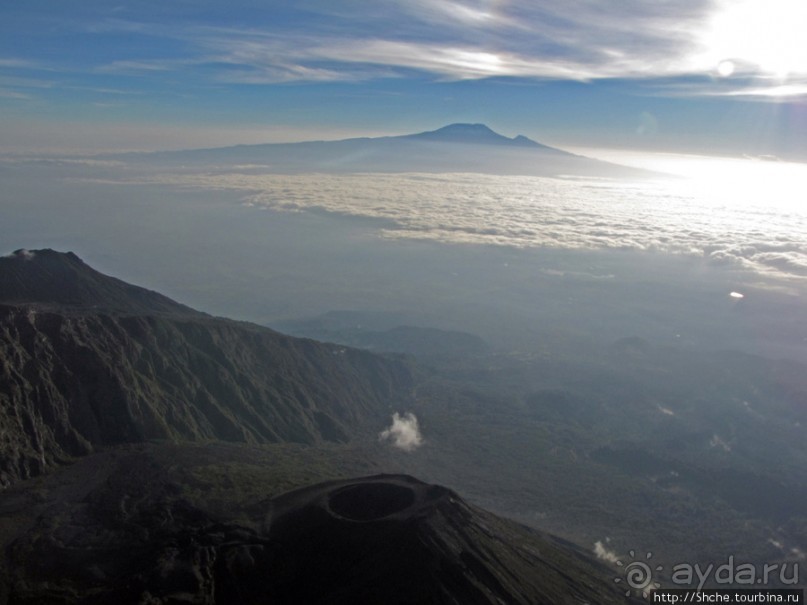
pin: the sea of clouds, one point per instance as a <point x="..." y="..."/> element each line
<point x="765" y="235"/>
<point x="758" y="225"/>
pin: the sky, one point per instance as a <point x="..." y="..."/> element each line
<point x="723" y="77"/>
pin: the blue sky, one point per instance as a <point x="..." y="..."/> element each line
<point x="703" y="76"/>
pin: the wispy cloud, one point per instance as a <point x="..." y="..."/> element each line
<point x="20" y="82"/>
<point x="288" y="57"/>
<point x="453" y="14"/>
<point x="452" y="40"/>
<point x="774" y="91"/>
<point x="155" y="65"/>
<point x="15" y="63"/>
<point x="455" y="40"/>
<point x="13" y="94"/>
<point x="456" y="62"/>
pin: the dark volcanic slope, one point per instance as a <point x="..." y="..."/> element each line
<point x="393" y="539"/>
<point x="127" y="534"/>
<point x="73" y="378"/>
<point x="47" y="277"/>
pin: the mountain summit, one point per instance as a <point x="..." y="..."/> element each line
<point x="474" y="134"/>
<point x="393" y="539"/>
<point x="47" y="277"/>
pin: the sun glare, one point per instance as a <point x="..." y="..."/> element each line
<point x="731" y="181"/>
<point x="745" y="182"/>
<point x="764" y="34"/>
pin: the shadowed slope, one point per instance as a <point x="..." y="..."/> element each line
<point x="393" y="539"/>
<point x="73" y="378"/>
<point x="47" y="277"/>
<point x="127" y="534"/>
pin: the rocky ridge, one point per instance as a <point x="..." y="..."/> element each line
<point x="93" y="362"/>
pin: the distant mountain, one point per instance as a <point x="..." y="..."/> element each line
<point x="383" y="332"/>
<point x="453" y="148"/>
<point x="475" y="134"/>
<point x="89" y="361"/>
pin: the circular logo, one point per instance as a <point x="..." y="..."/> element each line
<point x="638" y="575"/>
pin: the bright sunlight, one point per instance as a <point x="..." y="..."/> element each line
<point x="766" y="35"/>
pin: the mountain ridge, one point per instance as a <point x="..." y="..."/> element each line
<point x="479" y="134"/>
<point x="458" y="147"/>
<point x="456" y="132"/>
<point x="48" y="278"/>
<point x="78" y="377"/>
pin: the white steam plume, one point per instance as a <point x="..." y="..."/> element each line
<point x="404" y="432"/>
<point x="603" y="553"/>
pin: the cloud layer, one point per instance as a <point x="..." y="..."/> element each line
<point x="757" y="228"/>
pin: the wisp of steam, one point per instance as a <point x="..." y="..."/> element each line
<point x="404" y="432"/>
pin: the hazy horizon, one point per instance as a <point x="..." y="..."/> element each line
<point x="247" y="242"/>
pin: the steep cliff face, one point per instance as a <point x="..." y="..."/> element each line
<point x="73" y="378"/>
